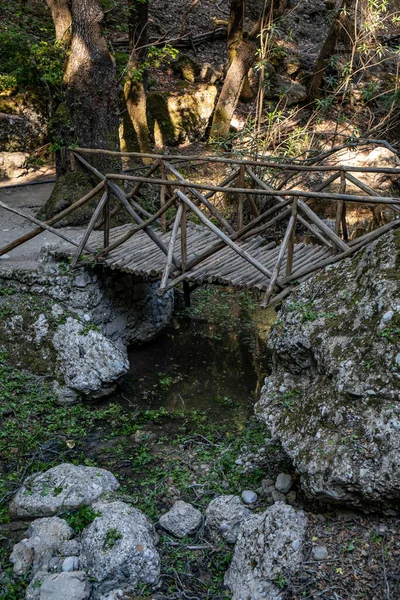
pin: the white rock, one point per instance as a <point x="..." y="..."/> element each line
<point x="224" y="516"/>
<point x="284" y="483"/>
<point x="118" y="548"/>
<point x="388" y="316"/>
<point x="65" y="586"/>
<point x="71" y="563"/>
<point x="249" y="497"/>
<point x="320" y="553"/>
<point x="269" y="546"/>
<point x="63" y="487"/>
<point x="182" y="519"/>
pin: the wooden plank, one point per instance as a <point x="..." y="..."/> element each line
<point x="236" y="161"/>
<point x="121" y="196"/>
<point x="239" y="222"/>
<point x="97" y="212"/>
<point x="222" y="236"/>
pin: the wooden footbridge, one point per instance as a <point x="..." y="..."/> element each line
<point x="190" y="237"/>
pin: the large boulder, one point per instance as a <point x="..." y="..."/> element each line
<point x="268" y="549"/>
<point x="74" y="326"/>
<point x="332" y="397"/>
<point x="64" y="487"/>
<point x="118" y="549"/>
<point x="181" y="116"/>
<point x="12" y="164"/>
<point x="224" y="516"/>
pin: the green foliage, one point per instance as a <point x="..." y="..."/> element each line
<point x="111" y="538"/>
<point x="81" y="518"/>
<point x="27" y="62"/>
<point x="156" y="57"/>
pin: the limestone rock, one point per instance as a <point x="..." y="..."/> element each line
<point x="332" y="397"/>
<point x="12" y="164"/>
<point x="249" y="497"/>
<point x="118" y="548"/>
<point x="78" y="328"/>
<point x="91" y="362"/>
<point x="269" y="545"/>
<point x="44" y="538"/>
<point x="284" y="483"/>
<point x="181" y="117"/>
<point x="182" y="519"/>
<point x="224" y="516"/>
<point x="65" y="586"/>
<point x="64" y="487"/>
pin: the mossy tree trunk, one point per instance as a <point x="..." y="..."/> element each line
<point x="235" y="36"/>
<point x="230" y="93"/>
<point x="62" y="18"/>
<point x="134" y="86"/>
<point x="89" y="115"/>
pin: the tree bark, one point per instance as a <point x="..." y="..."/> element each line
<point x="89" y="115"/>
<point x="328" y="48"/>
<point x="134" y="90"/>
<point x="61" y="13"/>
<point x="230" y="93"/>
<point x="235" y="37"/>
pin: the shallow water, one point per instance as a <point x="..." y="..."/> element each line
<point x="197" y="364"/>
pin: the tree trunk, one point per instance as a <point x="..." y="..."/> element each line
<point x="235" y="36"/>
<point x="89" y="116"/>
<point x="229" y="97"/>
<point x="61" y="13"/>
<point x="328" y="48"/>
<point x="134" y="90"/>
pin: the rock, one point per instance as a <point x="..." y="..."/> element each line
<point x="91" y="362"/>
<point x="54" y="338"/>
<point x="183" y="519"/>
<point x="13" y="164"/>
<point x="278" y="496"/>
<point x="267" y="483"/>
<point x="269" y="545"/>
<point x="118" y="548"/>
<point x="29" y="131"/>
<point x="320" y="553"/>
<point x="181" y="117"/>
<point x="71" y="563"/>
<point x="284" y="483"/>
<point x="65" y="586"/>
<point x="224" y="516"/>
<point x="291" y="497"/>
<point x="70" y="548"/>
<point x="44" y="538"/>
<point x="283" y="87"/>
<point x="378" y="156"/>
<point x="249" y="497"/>
<point x="331" y="350"/>
<point x="64" y="487"/>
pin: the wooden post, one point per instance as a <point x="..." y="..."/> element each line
<point x="240" y="199"/>
<point x="99" y="208"/>
<point x="163" y="190"/>
<point x="186" y="294"/>
<point x="171" y="246"/>
<point x="289" y="263"/>
<point x="106" y="219"/>
<point x="184" y="238"/>
<point x="341" y="207"/>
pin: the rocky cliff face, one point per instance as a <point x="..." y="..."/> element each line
<point x="74" y="326"/>
<point x="333" y="397"/>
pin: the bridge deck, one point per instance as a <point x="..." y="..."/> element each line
<point x="140" y="256"/>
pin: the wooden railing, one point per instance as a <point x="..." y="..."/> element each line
<point x="185" y="196"/>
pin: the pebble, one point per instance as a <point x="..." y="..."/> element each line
<point x="71" y="563"/>
<point x="291" y="497"/>
<point x="388" y="316"/>
<point x="284" y="483"/>
<point x="238" y="461"/>
<point x="278" y="496"/>
<point x="249" y="497"/>
<point x="320" y="553"/>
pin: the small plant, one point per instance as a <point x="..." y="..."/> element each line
<point x="81" y="518"/>
<point x="281" y="581"/>
<point x="111" y="538"/>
